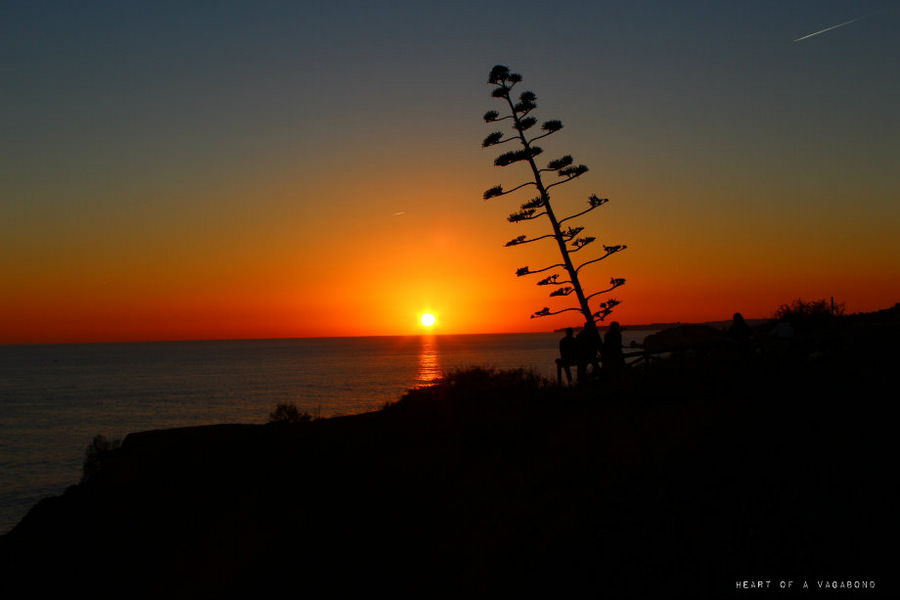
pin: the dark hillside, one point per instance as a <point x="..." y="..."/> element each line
<point x="677" y="480"/>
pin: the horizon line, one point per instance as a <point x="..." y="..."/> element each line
<point x="601" y="325"/>
<point x="646" y="325"/>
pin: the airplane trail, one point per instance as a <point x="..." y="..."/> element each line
<point x="809" y="35"/>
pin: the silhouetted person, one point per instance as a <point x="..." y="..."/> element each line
<point x="588" y="344"/>
<point x="613" y="357"/>
<point x="568" y="355"/>
<point x="739" y="333"/>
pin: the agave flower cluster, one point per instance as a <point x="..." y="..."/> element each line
<point x="568" y="239"/>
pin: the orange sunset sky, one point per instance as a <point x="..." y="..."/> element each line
<point x="253" y="170"/>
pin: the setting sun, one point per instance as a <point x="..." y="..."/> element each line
<point x="427" y="320"/>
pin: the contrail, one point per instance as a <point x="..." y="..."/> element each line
<point x="809" y="35"/>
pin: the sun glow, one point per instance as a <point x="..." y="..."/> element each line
<point x="427" y="320"/>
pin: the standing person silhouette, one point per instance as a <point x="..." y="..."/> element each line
<point x="739" y="330"/>
<point x="739" y="334"/>
<point x="613" y="357"/>
<point x="568" y="355"/>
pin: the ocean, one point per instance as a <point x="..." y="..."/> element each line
<point x="55" y="398"/>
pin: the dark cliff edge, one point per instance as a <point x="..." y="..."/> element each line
<point x="682" y="479"/>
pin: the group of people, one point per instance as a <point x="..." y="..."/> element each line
<point x="587" y="348"/>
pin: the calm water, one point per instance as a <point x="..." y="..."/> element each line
<point x="55" y="398"/>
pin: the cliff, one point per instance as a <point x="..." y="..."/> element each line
<point x="673" y="481"/>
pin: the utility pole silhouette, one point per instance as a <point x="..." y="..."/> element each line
<point x="568" y="239"/>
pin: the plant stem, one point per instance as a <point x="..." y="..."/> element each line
<point x="557" y="231"/>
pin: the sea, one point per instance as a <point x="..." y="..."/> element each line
<point x="55" y="398"/>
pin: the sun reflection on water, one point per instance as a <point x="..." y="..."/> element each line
<point x="429" y="361"/>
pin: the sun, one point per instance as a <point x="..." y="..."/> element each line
<point x="427" y="320"/>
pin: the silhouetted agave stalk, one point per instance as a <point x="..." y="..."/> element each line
<point x="567" y="239"/>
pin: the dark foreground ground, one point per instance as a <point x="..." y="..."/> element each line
<point x="691" y="478"/>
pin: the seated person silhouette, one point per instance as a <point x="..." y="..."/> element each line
<point x="587" y="344"/>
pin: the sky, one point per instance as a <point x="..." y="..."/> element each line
<point x="221" y="170"/>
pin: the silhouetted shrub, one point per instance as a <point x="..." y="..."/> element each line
<point x="815" y="310"/>
<point x="93" y="455"/>
<point x="480" y="379"/>
<point x="480" y="390"/>
<point x="288" y="413"/>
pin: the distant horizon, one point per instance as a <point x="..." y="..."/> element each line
<point x="422" y="333"/>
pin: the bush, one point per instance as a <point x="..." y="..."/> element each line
<point x="288" y="413"/>
<point x="93" y="455"/>
<point x="479" y="390"/>
<point x="814" y="310"/>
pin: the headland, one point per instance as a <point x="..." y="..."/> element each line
<point x="681" y="478"/>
